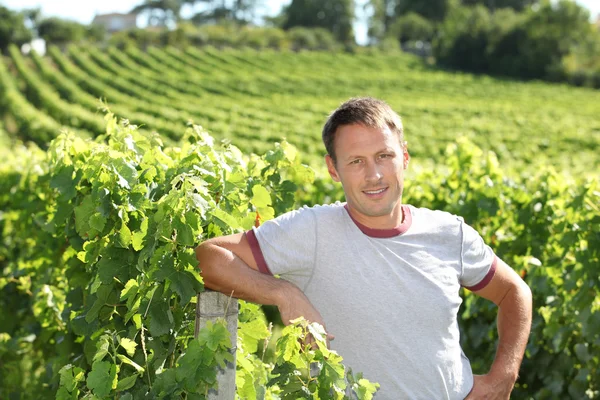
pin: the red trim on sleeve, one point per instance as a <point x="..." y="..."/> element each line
<point x="257" y="253"/>
<point x="488" y="277"/>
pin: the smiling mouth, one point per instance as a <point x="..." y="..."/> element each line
<point x="374" y="192"/>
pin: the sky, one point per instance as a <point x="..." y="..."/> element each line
<point x="84" y="11"/>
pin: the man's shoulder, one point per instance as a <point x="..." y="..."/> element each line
<point x="438" y="218"/>
<point x="316" y="213"/>
<point x="319" y="209"/>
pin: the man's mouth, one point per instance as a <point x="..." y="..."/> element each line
<point x="374" y="192"/>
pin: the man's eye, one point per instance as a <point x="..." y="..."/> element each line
<point x="385" y="156"/>
<point x="355" y="161"/>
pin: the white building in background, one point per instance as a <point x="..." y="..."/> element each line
<point x="115" y="22"/>
<point x="38" y="45"/>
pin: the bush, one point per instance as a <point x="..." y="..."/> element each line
<point x="311" y="39"/>
<point x="463" y="39"/>
<point x="554" y="42"/>
<point x="412" y="27"/>
<point x="229" y="35"/>
<point x="261" y="38"/>
<point x="60" y="31"/>
<point x="135" y="37"/>
<point x="98" y="274"/>
<point x="581" y="66"/>
<point x="13" y="29"/>
<point x="388" y="43"/>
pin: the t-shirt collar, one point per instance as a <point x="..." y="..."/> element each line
<point x="385" y="233"/>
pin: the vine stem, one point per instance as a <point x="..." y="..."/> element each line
<point x="150" y="302"/>
<point x="266" y="342"/>
<point x="143" y="340"/>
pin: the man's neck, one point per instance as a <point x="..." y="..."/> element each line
<point x="390" y="221"/>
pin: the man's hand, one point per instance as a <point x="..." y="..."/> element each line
<point x="294" y="304"/>
<point x="490" y="388"/>
<point x="514" y="300"/>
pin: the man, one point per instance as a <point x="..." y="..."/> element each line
<point x="382" y="276"/>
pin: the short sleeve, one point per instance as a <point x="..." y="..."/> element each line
<point x="478" y="260"/>
<point x="286" y="245"/>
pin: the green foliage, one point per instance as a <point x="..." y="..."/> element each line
<point x="412" y="27"/>
<point x="434" y="10"/>
<point x="303" y="366"/>
<point x="581" y="66"/>
<point x="44" y="97"/>
<point x="31" y="123"/>
<point x="333" y="15"/>
<point x="552" y="32"/>
<point x="303" y="369"/>
<point x="554" y="41"/>
<point x="217" y="11"/>
<point x="382" y="14"/>
<point x="517" y="5"/>
<point x="311" y="38"/>
<point x="160" y="12"/>
<point x="98" y="262"/>
<point x="256" y="97"/>
<point x="463" y="39"/>
<point x="13" y="29"/>
<point x="61" y="31"/>
<point x="98" y="273"/>
<point x="229" y="35"/>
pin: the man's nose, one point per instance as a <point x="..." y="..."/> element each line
<point x="373" y="172"/>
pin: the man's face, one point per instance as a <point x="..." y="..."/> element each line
<point x="370" y="165"/>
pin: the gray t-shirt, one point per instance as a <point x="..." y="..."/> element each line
<point x="390" y="297"/>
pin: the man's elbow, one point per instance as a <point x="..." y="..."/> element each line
<point x="523" y="297"/>
<point x="206" y="254"/>
<point x="527" y="293"/>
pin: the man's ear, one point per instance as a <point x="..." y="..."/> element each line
<point x="406" y="157"/>
<point x="331" y="168"/>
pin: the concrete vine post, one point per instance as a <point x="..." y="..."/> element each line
<point x="210" y="306"/>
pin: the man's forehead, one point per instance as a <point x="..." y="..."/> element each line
<point x="360" y="133"/>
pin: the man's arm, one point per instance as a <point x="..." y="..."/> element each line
<point x="227" y="265"/>
<point x="513" y="298"/>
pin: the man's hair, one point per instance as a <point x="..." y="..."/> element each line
<point x="372" y="113"/>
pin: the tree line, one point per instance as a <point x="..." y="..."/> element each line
<point x="530" y="39"/>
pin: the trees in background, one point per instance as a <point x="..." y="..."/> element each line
<point x="335" y="16"/>
<point x="434" y="10"/>
<point x="416" y="18"/>
<point x="218" y="11"/>
<point x="22" y="27"/>
<point x="550" y="34"/>
<point x="13" y="28"/>
<point x="553" y="42"/>
<point x="167" y="13"/>
<point x="61" y="31"/>
<point x="412" y="27"/>
<point x="517" y="5"/>
<point x="160" y="12"/>
<point x="382" y="15"/>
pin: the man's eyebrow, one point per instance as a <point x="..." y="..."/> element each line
<point x="384" y="150"/>
<point x="353" y="156"/>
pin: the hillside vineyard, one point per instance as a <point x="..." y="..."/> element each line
<point x="99" y="218"/>
<point x="257" y="98"/>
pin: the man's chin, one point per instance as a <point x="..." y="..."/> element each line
<point x="372" y="212"/>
